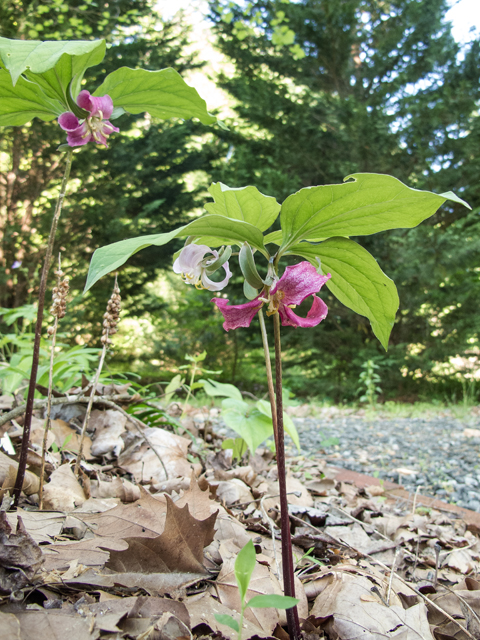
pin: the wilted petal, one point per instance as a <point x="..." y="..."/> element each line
<point x="190" y="258"/>
<point x="77" y="134"/>
<point x="238" y="315"/>
<point x="298" y="282"/>
<point x="317" y="313"/>
<point x="216" y="286"/>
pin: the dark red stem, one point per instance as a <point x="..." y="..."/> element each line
<point x="287" y="557"/>
<point x="22" y="463"/>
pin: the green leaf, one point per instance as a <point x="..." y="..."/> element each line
<point x="244" y="566"/>
<point x="21" y="103"/>
<point x="272" y="600"/>
<point x="38" y="57"/>
<point x="163" y="94"/>
<point x="265" y="408"/>
<point x="250" y="424"/>
<point x="369" y="204"/>
<point x="245" y="203"/>
<point x="357" y="281"/>
<point x="214" y="388"/>
<point x="227" y="620"/>
<point x="113" y="256"/>
<point x="275" y="237"/>
<point x="172" y="386"/>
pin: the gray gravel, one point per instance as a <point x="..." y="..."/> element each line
<point x="431" y="451"/>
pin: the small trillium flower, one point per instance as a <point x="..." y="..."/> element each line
<point x="194" y="267"/>
<point x="297" y="283"/>
<point x="95" y="127"/>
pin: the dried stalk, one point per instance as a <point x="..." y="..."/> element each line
<point x="22" y="463"/>
<point x="109" y="328"/>
<point x="58" y="311"/>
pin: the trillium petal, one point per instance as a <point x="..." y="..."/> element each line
<point x="238" y="315"/>
<point x="85" y="101"/>
<point x="216" y="286"/>
<point x="298" y="282"/>
<point x="68" y="121"/>
<point x="103" y="104"/>
<point x="317" y="313"/>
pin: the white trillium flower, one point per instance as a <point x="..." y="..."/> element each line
<point x="193" y="267"/>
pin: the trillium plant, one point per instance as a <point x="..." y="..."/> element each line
<point x="284" y="253"/>
<point x="44" y="80"/>
<point x="312" y="230"/>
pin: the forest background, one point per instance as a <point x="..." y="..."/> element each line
<point x="315" y="90"/>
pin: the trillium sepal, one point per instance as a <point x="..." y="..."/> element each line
<point x="195" y="266"/>
<point x="297" y="283"/>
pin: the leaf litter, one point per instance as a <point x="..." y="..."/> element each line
<point x="141" y="550"/>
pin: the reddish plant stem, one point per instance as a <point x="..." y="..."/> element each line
<point x="22" y="463"/>
<point x="287" y="558"/>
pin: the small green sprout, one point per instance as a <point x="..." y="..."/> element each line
<point x="244" y="566"/>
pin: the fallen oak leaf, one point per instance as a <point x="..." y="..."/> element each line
<point x="179" y="549"/>
<point x="20" y="556"/>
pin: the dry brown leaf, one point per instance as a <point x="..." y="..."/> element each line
<point x="54" y="625"/>
<point x="145" y="517"/>
<point x="20" y="556"/>
<point x="355" y="536"/>
<point x="9" y="627"/>
<point x="109" y="426"/>
<point x="178" y="549"/>
<point x="461" y="560"/>
<point x="355" y="618"/>
<point x="322" y="487"/>
<point x="92" y="552"/>
<point x="231" y="491"/>
<point x="143" y="464"/>
<point x="63" y="492"/>
<point x="246" y="474"/>
<point x="117" y="488"/>
<point x="67" y="438"/>
<point x="8" y="474"/>
<point x="294" y="486"/>
<point x="41" y="526"/>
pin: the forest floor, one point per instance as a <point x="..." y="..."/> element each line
<point x="124" y="552"/>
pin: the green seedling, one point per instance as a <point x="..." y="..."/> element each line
<point x="56" y="449"/>
<point x="244" y="566"/>
<point x="238" y="445"/>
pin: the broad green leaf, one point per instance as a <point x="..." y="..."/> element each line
<point x="164" y="94"/>
<point x="69" y="68"/>
<point x="21" y="103"/>
<point x="275" y="237"/>
<point x="244" y="203"/>
<point x="369" y="204"/>
<point x="214" y="388"/>
<point x="357" y="281"/>
<point x="244" y="566"/>
<point x="227" y="620"/>
<point x="113" y="256"/>
<point x="251" y="425"/>
<point x="265" y="408"/>
<point x="272" y="600"/>
<point x="38" y="57"/>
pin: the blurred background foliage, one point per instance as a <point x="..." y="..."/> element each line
<point x="364" y="86"/>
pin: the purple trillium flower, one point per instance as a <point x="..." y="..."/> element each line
<point x="193" y="266"/>
<point x="297" y="283"/>
<point x="95" y="127"/>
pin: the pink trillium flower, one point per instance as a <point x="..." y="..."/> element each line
<point x="297" y="283"/>
<point x="95" y="127"/>
<point x="193" y="266"/>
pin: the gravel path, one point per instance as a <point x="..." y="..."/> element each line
<point x="433" y="451"/>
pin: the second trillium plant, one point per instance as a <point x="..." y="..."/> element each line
<point x="315" y="228"/>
